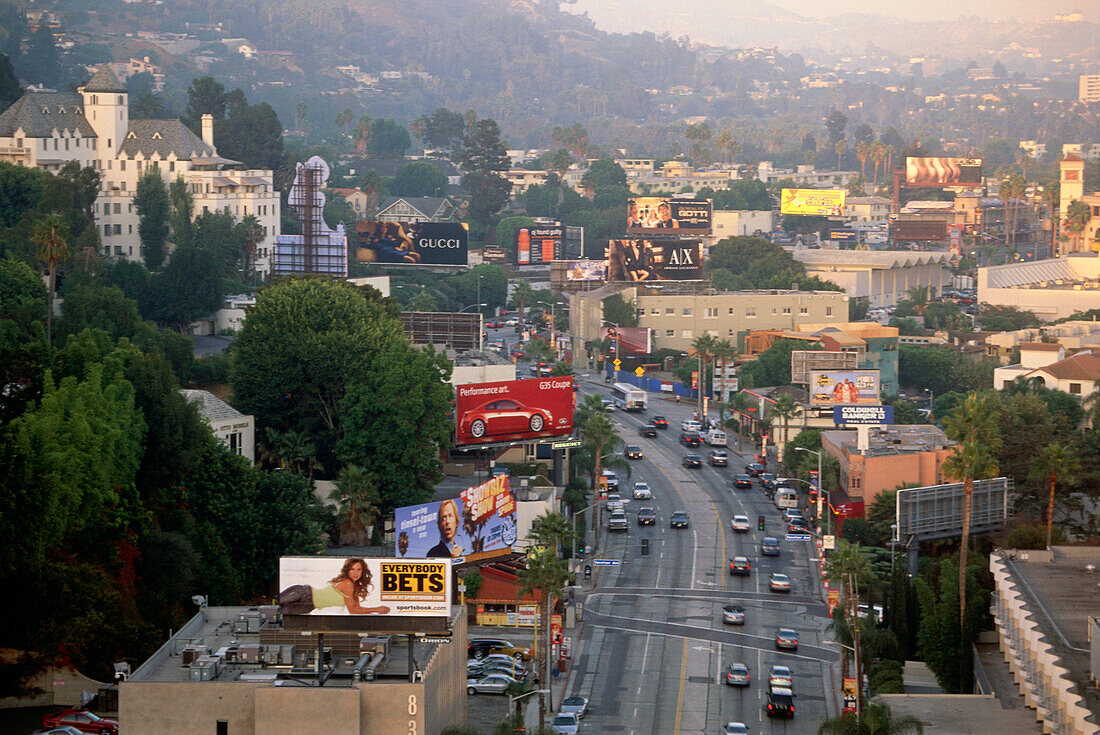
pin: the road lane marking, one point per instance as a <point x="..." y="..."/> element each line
<point x="680" y="696"/>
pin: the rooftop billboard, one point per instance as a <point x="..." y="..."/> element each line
<point x="586" y="270"/>
<point x="654" y="260"/>
<point x="539" y="244"/>
<point x="943" y="171"/>
<point x="513" y="410"/>
<point x="835" y="387"/>
<point x="663" y="216"/>
<point x="336" y="586"/>
<point x="482" y="520"/>
<point x="630" y="340"/>
<point x="822" y="202"/>
<point x="411" y="243"/>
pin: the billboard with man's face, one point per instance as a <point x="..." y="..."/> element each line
<point x="821" y="202"/>
<point x="835" y="387"/>
<point x="654" y="260"/>
<point x="513" y="410"/>
<point x="411" y="243"/>
<point x="481" y="521"/>
<point x="943" y="171"/>
<point x="628" y="340"/>
<point x="324" y="586"/>
<point x="663" y="216"/>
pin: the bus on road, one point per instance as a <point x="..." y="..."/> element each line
<point x="629" y="397"/>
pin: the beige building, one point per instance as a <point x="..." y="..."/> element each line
<point x="884" y="277"/>
<point x="1049" y="289"/>
<point x="92" y="127"/>
<point x="231" y="427"/>
<point x="1072" y="188"/>
<point x="732" y="223"/>
<point x="867" y="209"/>
<point x="1073" y="336"/>
<point x="1088" y="88"/>
<point x="679" y="313"/>
<point x="363" y="204"/>
<point x="523" y="179"/>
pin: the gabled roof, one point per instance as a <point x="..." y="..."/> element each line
<point x="427" y="206"/>
<point x="163" y="137"/>
<point x="210" y="406"/>
<point x="40" y="113"/>
<point x="104" y="80"/>
<point x="1084" y="366"/>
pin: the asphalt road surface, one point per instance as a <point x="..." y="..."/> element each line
<point x="653" y="649"/>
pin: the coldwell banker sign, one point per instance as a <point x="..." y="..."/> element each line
<point x="854" y="415"/>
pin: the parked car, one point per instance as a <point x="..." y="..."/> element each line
<point x="780" y="702"/>
<point x="565" y="723"/>
<point x="740" y="523"/>
<point x="733" y="615"/>
<point x="743" y="482"/>
<point x="769" y="546"/>
<point x="492" y="684"/>
<point x="648" y="430"/>
<point x="781" y="676"/>
<point x="481" y="647"/>
<point x="60" y="730"/>
<point x="500" y="659"/>
<point x="719" y="458"/>
<point x="82" y="720"/>
<point x="633" y="452"/>
<point x="647" y="516"/>
<point x="574" y="706"/>
<point x="660" y="422"/>
<point x="737" y="675"/>
<point x="477" y="671"/>
<point x="693" y="461"/>
<point x="679" y="519"/>
<point x="503" y="416"/>
<point x="641" y="491"/>
<point x="740" y="567"/>
<point x="779" y="582"/>
<point x="786" y="638"/>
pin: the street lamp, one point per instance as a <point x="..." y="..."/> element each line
<point x="821" y="490"/>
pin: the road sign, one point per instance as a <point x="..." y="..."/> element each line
<point x="639" y="371"/>
<point x="798" y="537"/>
<point x="828" y="542"/>
<point x="606" y="562"/>
<point x="567" y="444"/>
<point x="618" y="363"/>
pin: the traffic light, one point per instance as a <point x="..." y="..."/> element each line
<point x="760" y="523"/>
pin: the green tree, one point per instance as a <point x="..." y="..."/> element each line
<point x="544" y="574"/>
<point x="52" y="248"/>
<point x="1006" y="318"/>
<point x="251" y="134"/>
<point x="23" y="351"/>
<point x="358" y="499"/>
<point x="153" y="207"/>
<point x="42" y="62"/>
<point x="604" y="172"/>
<point x="875" y="719"/>
<point x="786" y="408"/>
<point x="419" y="179"/>
<point x="1053" y="463"/>
<point x="180" y="223"/>
<point x="1078" y="214"/>
<point x="773" y="365"/>
<point x="522" y="296"/>
<point x="943" y="640"/>
<point x="388" y="140"/>
<point x="443" y="129"/>
<point x="205" y="96"/>
<point x="484" y="157"/>
<point x="619" y="311"/>
<point x="100" y="307"/>
<point x="189" y="287"/>
<point x="10" y="91"/>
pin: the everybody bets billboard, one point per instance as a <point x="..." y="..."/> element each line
<point x="513" y="410"/>
<point x="654" y="260"/>
<point x="412" y="243"/>
<point x="663" y="216"/>
<point x="353" y="586"/>
<point x="480" y="521"/>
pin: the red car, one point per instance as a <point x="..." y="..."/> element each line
<point x="503" y="416"/>
<point x="82" y="720"/>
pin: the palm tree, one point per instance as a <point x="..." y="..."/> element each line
<point x="841" y="148"/>
<point x="362" y="134"/>
<point x="1054" y="462"/>
<point x="253" y="233"/>
<point x="973" y="424"/>
<point x="1052" y="195"/>
<point x="344" y="119"/>
<point x="704" y="348"/>
<point x="598" y="432"/>
<point x="539" y="350"/>
<point x="845" y="564"/>
<point x="863" y="152"/>
<point x="357" y="496"/>
<point x="51" y="240"/>
<point x="723" y="352"/>
<point x="522" y="296"/>
<point x="786" y="408"/>
<point x="301" y="110"/>
<point x="551" y="530"/>
<point x="545" y="574"/>
<point x="290" y="448"/>
<point x="878" y="157"/>
<point x="1078" y="215"/>
<point x="876" y="719"/>
<point x="561" y="369"/>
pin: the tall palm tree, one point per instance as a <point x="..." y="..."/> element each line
<point x="545" y="574"/>
<point x="841" y="148"/>
<point x="253" y="233"/>
<point x="344" y="119"/>
<point x="551" y="530"/>
<point x="539" y="350"/>
<point x="599" y="433"/>
<point x="1053" y="463"/>
<point x="878" y="157"/>
<point x="51" y="239"/>
<point x="863" y="152"/>
<point x="1052" y="197"/>
<point x="876" y="719"/>
<point x="973" y="424"/>
<point x="704" y="349"/>
<point x="522" y="296"/>
<point x="786" y="408"/>
<point x="359" y="501"/>
<point x="362" y="134"/>
<point x="724" y="352"/>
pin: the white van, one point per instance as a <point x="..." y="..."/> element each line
<point x="786" y="498"/>
<point x="716" y="438"/>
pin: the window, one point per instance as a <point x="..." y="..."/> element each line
<point x="670" y="332"/>
<point x="118" y="208"/>
<point x="171" y="165"/>
<point x="710" y="312"/>
<point x="123" y="185"/>
<point x="786" y="310"/>
<point x="669" y="311"/>
<point x="687" y="312"/>
<point x="750" y="311"/>
<point x="118" y="229"/>
<point x="122" y="164"/>
<point x="235" y="442"/>
<point x="222" y="727"/>
<point x="773" y="311"/>
<point x="731" y="311"/>
<point x="130" y="208"/>
<point x="828" y="311"/>
<point x="1075" y="388"/>
<point x="686" y="334"/>
<point x="803" y="310"/>
<point x="130" y="229"/>
<point x="45" y="143"/>
<point x="730" y="333"/>
<point x="652" y="312"/>
<point x="106" y="230"/>
<point x="66" y="144"/>
<point x="55" y="144"/>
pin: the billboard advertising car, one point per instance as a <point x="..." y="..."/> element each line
<point x="628" y="340"/>
<point x="654" y="260"/>
<point x="943" y="171"/>
<point x="539" y="244"/>
<point x="337" y="586"/>
<point x="836" y="387"/>
<point x="586" y="270"/>
<point x="480" y="521"/>
<point x="411" y="243"/>
<point x="513" y="410"/>
<point x="664" y="216"/>
<point x="822" y="202"/>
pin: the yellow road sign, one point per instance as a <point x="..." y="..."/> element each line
<point x="639" y="371"/>
<point x="618" y="363"/>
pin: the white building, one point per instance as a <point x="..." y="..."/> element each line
<point x="1088" y="88"/>
<point x="231" y="427"/>
<point x="1050" y="289"/>
<point x="47" y="130"/>
<point x="874" y="210"/>
<point x="884" y="277"/>
<point x="730" y="223"/>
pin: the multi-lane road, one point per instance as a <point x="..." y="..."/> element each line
<point x="652" y="649"/>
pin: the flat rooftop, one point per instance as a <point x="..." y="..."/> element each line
<point x="962" y="714"/>
<point x="895" y="439"/>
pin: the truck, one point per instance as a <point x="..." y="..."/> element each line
<point x="717" y="438"/>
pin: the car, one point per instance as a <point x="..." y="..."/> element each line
<point x="633" y="452"/>
<point x="790" y="514"/>
<point x="502" y="658"/>
<point x="82" y="720"/>
<point x="60" y="730"/>
<point x="612" y="480"/>
<point x="493" y="324"/>
<point x="737" y="675"/>
<point x="503" y="416"/>
<point x="740" y="567"/>
<point x="786" y="638"/>
<point x="647" y="430"/>
<point x="798" y="525"/>
<point x="608" y="404"/>
<point x="743" y="482"/>
<point x="641" y="491"/>
<point x="719" y="458"/>
<point x="492" y="684"/>
<point x="615" y="497"/>
<point x="767" y="479"/>
<point x="481" y="647"/>
<point x="574" y="706"/>
<point x="690" y="439"/>
<point x="735" y="728"/>
<point x="498" y="346"/>
<point x="617" y="521"/>
<point x="733" y="615"/>
<point x="754" y="468"/>
<point x="518" y="353"/>
<point x="779" y="582"/>
<point x="480" y="672"/>
<point x="660" y="422"/>
<point x="781" y="676"/>
<point x="780" y="702"/>
<point x="679" y="519"/>
<point x="769" y="546"/>
<point x="692" y="461"/>
<point x="565" y="723"/>
<point x="647" y="516"/>
<point x="740" y="524"/>
<point x="501" y="470"/>
<point x="692" y="426"/>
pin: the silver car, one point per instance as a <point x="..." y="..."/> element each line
<point x="565" y="723"/>
<point x="574" y="706"/>
<point x="492" y="684"/>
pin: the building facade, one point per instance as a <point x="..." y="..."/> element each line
<point x="1049" y="289"/>
<point x="234" y="429"/>
<point x="896" y="455"/>
<point x="883" y="277"/>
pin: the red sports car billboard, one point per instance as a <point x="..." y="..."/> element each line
<point x="514" y="410"/>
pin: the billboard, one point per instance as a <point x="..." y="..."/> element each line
<point x="318" y="249"/>
<point x="482" y="519"/>
<point x="836" y="387"/>
<point x="943" y="171"/>
<point x="843" y="235"/>
<point x="654" y="260"/>
<point x="586" y="270"/>
<point x="663" y="216"/>
<point x="804" y="362"/>
<point x="456" y="331"/>
<point x="629" y="340"/>
<point x="539" y="244"/>
<point x="411" y="243"/>
<point x="869" y="415"/>
<point x="337" y="586"/>
<point x="936" y="511"/>
<point x="513" y="410"/>
<point x="825" y="202"/>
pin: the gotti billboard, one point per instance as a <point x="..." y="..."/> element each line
<point x="654" y="260"/>
<point x="513" y="410"/>
<point x="822" y="202"/>
<point x="943" y="171"/>
<point x="835" y="387"/>
<point x="661" y="216"/>
<point x="411" y="243"/>
<point x="331" y="586"/>
<point x="480" y="521"/>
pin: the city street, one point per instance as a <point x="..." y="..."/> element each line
<point x="653" y="649"/>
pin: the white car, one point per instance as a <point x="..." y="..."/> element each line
<point x="740" y="524"/>
<point x="690" y="426"/>
<point x="779" y="582"/>
<point x="511" y="322"/>
<point x="735" y="728"/>
<point x="642" y="491"/>
<point x="575" y="706"/>
<point x="781" y="676"/>
<point x="565" y="723"/>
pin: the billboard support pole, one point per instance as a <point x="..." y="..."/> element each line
<point x="559" y="467"/>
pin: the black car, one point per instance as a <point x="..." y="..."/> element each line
<point x="660" y="422"/>
<point x="769" y="546"/>
<point x="780" y="702"/>
<point x="743" y="482"/>
<point x="740" y="567"/>
<point x="679" y="520"/>
<point x="690" y="439"/>
<point x="646" y="516"/>
<point x="692" y="461"/>
<point x="754" y="468"/>
<point x="648" y="430"/>
<point x="633" y="452"/>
